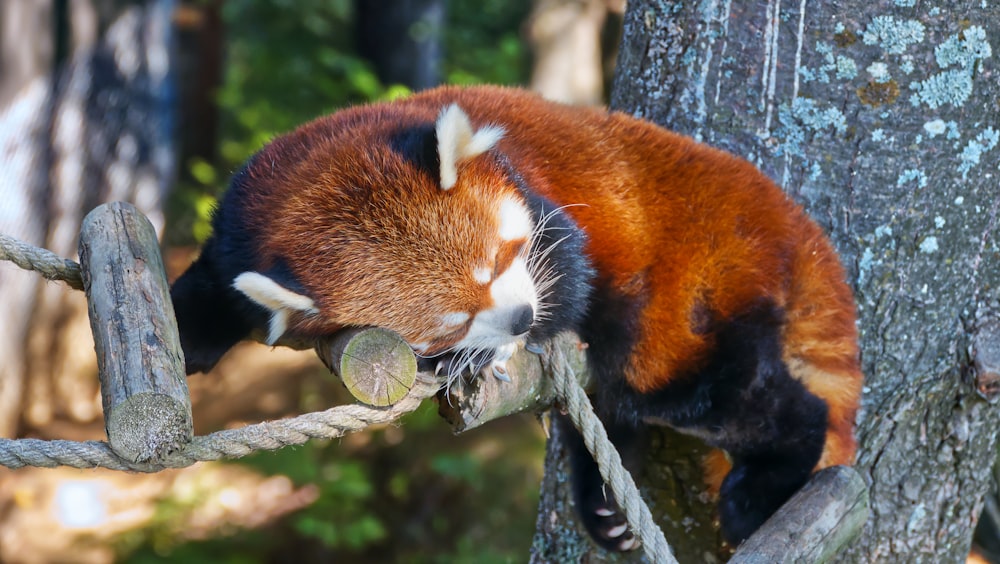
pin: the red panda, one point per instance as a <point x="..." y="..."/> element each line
<point x="470" y="220"/>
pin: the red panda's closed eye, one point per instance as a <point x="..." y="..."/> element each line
<point x="506" y="255"/>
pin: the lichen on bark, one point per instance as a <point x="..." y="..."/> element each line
<point x="906" y="188"/>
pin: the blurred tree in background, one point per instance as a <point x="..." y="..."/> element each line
<point x="241" y="72"/>
<point x="86" y="116"/>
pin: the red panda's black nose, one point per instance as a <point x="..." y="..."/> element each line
<point x="521" y="320"/>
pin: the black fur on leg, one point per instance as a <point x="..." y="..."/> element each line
<point x="745" y="402"/>
<point x="754" y="489"/>
<point x="752" y="407"/>
<point x="595" y="504"/>
<point x="210" y="318"/>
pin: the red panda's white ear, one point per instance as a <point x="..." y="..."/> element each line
<point x="456" y="142"/>
<point x="277" y="299"/>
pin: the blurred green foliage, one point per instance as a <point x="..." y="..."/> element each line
<point x="288" y="61"/>
<point x="483" y="42"/>
<point x="420" y="496"/>
<point x="428" y="497"/>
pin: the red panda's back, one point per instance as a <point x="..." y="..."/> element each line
<point x="659" y="209"/>
<point x="699" y="226"/>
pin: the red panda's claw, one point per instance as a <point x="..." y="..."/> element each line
<point x="535" y="348"/>
<point x="631" y="543"/>
<point x="617" y="531"/>
<point x="608" y="526"/>
<point x="500" y="371"/>
<point x="440" y="366"/>
<point x="619" y="534"/>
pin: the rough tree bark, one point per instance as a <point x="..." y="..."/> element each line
<point x="86" y="116"/>
<point x="881" y="119"/>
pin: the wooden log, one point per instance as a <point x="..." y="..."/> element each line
<point x="378" y="368"/>
<point x="376" y="365"/>
<point x="818" y="521"/>
<point x="530" y="388"/>
<point x="147" y="409"/>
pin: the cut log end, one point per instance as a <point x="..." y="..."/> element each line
<point x="376" y="365"/>
<point x="147" y="427"/>
<point x="147" y="407"/>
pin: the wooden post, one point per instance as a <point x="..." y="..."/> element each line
<point x="147" y="409"/>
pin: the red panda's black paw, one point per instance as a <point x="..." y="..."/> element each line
<point x="751" y="493"/>
<point x="606" y="524"/>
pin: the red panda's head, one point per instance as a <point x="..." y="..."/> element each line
<point x="371" y="227"/>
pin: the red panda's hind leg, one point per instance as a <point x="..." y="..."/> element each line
<point x="773" y="428"/>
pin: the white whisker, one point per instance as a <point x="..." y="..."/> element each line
<point x="542" y="271"/>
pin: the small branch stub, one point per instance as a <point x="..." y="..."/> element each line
<point x="376" y="365"/>
<point x="986" y="360"/>
<point x="147" y="409"/>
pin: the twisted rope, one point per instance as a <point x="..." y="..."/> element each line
<point x="609" y="462"/>
<point x="43" y="261"/>
<point x="332" y="423"/>
<point x="231" y="443"/>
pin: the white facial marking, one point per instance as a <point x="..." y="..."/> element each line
<point x="515" y="221"/>
<point x="457" y="142"/>
<point x="483" y="274"/>
<point x="280" y="301"/>
<point x="511" y="291"/>
<point x="514" y="287"/>
<point x="453" y="319"/>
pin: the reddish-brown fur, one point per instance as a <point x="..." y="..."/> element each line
<point x="645" y="193"/>
<point x="709" y="301"/>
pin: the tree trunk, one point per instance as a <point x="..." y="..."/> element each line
<point x="86" y="116"/>
<point x="881" y="119"/>
<point x="565" y="36"/>
<point x="402" y="39"/>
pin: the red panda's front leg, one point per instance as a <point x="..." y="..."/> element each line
<point x="595" y="503"/>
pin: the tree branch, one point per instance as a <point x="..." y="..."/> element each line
<point x="822" y="518"/>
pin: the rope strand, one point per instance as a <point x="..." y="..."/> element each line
<point x="231" y="443"/>
<point x="609" y="462"/>
<point x="43" y="261"/>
